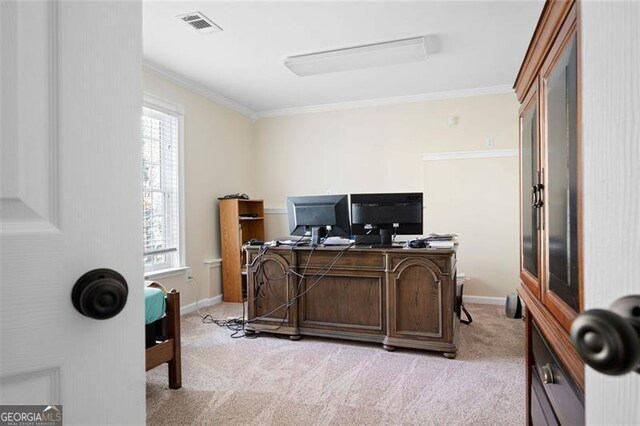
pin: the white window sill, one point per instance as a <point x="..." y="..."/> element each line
<point x="164" y="273"/>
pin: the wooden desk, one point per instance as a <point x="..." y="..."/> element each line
<point x="397" y="297"/>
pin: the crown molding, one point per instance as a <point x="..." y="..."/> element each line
<point x="253" y="115"/>
<point x="451" y="94"/>
<point x="197" y="88"/>
<point x="466" y="155"/>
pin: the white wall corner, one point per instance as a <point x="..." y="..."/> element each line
<point x="189" y="84"/>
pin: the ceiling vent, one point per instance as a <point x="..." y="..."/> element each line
<point x="200" y="23"/>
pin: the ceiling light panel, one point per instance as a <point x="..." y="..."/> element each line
<point x="359" y="57"/>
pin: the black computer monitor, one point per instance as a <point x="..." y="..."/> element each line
<point x="376" y="217"/>
<point x="311" y="215"/>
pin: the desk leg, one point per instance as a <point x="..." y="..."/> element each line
<point x="295" y="337"/>
<point x="388" y="348"/>
<point x="450" y="355"/>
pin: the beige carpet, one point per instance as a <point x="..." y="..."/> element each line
<point x="272" y="380"/>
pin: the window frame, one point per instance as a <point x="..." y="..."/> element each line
<point x="177" y="110"/>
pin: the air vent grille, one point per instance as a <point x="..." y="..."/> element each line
<point x="200" y="23"/>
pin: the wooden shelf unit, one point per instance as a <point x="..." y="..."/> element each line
<point x="235" y="231"/>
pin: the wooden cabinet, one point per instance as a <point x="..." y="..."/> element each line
<point x="417" y="284"/>
<point x="241" y="220"/>
<point x="548" y="88"/>
<point x="400" y="298"/>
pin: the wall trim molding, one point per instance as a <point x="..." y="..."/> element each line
<point x="393" y="100"/>
<point x="191" y="307"/>
<point x="485" y="300"/>
<point x="197" y="88"/>
<point x="466" y="155"/>
<point x="275" y="211"/>
<point x="213" y="96"/>
<point x="156" y="101"/>
<point x="213" y="263"/>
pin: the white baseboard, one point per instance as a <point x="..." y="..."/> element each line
<point x="485" y="300"/>
<point x="482" y="300"/>
<point x="201" y="303"/>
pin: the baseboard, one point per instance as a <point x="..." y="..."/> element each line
<point x="482" y="300"/>
<point x="201" y="303"/>
<point x="485" y="300"/>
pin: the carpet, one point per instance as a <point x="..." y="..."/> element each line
<point x="275" y="381"/>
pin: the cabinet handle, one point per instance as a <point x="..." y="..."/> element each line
<point x="547" y="375"/>
<point x="539" y="189"/>
<point x="534" y="196"/>
<point x="540" y="195"/>
<point x="609" y="340"/>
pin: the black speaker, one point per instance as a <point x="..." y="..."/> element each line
<point x="513" y="307"/>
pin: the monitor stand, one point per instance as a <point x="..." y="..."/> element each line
<point x="317" y="234"/>
<point x="385" y="237"/>
<point x="374" y="241"/>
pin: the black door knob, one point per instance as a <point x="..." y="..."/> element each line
<point x="609" y="340"/>
<point x="100" y="294"/>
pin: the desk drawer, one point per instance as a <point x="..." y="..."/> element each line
<point x="541" y="410"/>
<point x="566" y="399"/>
<point x="352" y="259"/>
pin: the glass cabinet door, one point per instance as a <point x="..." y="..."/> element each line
<point x="529" y="193"/>
<point x="561" y="183"/>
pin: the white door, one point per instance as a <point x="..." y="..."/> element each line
<point x="611" y="167"/>
<point x="70" y="201"/>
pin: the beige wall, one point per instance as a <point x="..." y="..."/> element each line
<point x="218" y="156"/>
<point x="381" y="149"/>
<point x="373" y="149"/>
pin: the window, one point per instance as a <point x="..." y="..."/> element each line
<point x="161" y="187"/>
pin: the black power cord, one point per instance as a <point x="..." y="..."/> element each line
<point x="320" y="274"/>
<point x="237" y="325"/>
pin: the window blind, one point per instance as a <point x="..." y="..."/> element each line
<point x="160" y="189"/>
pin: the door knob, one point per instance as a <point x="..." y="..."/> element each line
<point x="609" y="340"/>
<point x="100" y="294"/>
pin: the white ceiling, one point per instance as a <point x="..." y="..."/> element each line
<point x="476" y="44"/>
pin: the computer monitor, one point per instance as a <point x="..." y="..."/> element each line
<point x="311" y="215"/>
<point x="376" y="217"/>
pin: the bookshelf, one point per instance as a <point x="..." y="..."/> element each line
<point x="240" y="221"/>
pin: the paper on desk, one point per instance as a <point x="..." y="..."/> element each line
<point x="337" y="241"/>
<point x="441" y="244"/>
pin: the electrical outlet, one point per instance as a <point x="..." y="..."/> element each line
<point x="187" y="275"/>
<point x="491" y="142"/>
